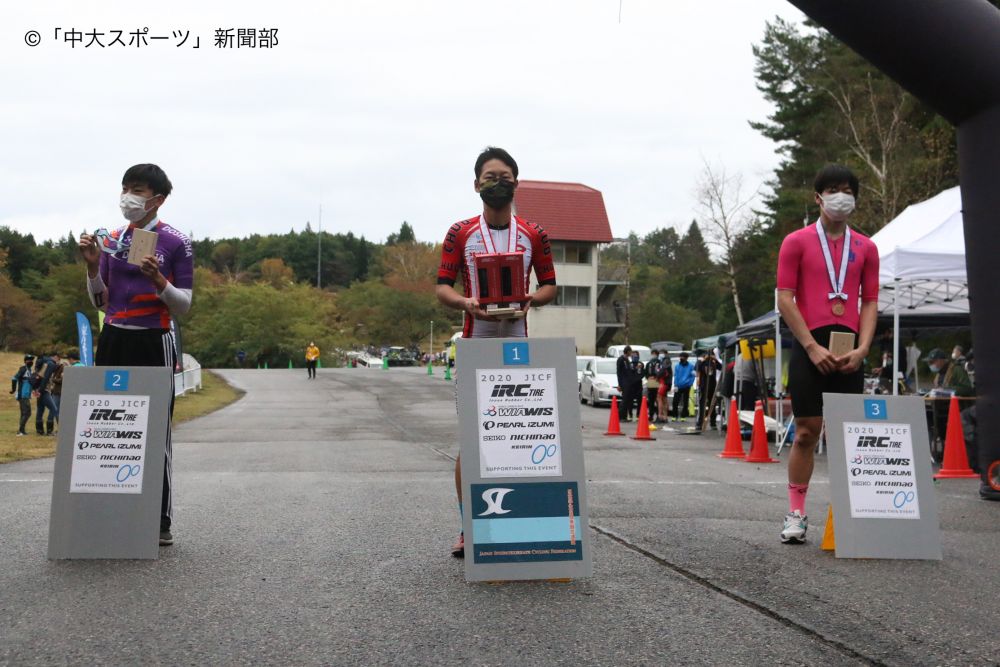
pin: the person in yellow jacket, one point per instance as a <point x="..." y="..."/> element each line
<point x="312" y="356"/>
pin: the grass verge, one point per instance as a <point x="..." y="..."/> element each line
<point x="215" y="394"/>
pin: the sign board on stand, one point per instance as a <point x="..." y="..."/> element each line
<point x="108" y="479"/>
<point x="884" y="504"/>
<point x="523" y="479"/>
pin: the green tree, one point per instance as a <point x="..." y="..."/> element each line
<point x="405" y="235"/>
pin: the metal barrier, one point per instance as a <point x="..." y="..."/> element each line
<point x="189" y="380"/>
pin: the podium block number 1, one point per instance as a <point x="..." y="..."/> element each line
<point x="515" y="354"/>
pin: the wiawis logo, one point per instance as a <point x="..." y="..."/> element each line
<point x="123" y="435"/>
<point x="522" y="412"/>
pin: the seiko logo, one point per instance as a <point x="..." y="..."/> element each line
<point x="494" y="437"/>
<point x="494" y="501"/>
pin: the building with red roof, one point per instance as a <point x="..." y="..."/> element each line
<point x="575" y="219"/>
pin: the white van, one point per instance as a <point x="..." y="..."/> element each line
<point x="615" y="351"/>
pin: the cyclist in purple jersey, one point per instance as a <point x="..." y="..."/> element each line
<point x="138" y="301"/>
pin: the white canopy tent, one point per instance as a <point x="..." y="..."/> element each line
<point x="922" y="262"/>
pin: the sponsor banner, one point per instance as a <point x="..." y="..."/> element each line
<point x="109" y="446"/>
<point x="881" y="476"/>
<point x="86" y="341"/>
<point x="526" y="522"/>
<point x="518" y="423"/>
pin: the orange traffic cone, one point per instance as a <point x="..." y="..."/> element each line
<point x="758" y="441"/>
<point x="829" y="539"/>
<point x="642" y="430"/>
<point x="734" y="443"/>
<point x="614" y="426"/>
<point x="956" y="462"/>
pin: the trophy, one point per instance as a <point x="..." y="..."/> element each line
<point x="500" y="279"/>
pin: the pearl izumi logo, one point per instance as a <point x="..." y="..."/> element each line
<point x="494" y="501"/>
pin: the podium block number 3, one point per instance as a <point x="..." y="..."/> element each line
<point x="116" y="381"/>
<point x="875" y="409"/>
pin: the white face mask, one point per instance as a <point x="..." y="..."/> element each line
<point x="662" y="357"/>
<point x="133" y="207"/>
<point x="838" y="206"/>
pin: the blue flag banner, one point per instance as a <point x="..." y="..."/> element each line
<point x="86" y="339"/>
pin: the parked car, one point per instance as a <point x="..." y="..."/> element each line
<point x="615" y="351"/>
<point x="599" y="381"/>
<point x="400" y="356"/>
<point x="668" y="345"/>
<point x="581" y="364"/>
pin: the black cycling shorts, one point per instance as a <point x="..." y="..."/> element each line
<point x="806" y="384"/>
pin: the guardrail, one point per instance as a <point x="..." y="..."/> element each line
<point x="189" y="380"/>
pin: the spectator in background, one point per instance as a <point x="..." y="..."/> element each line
<point x="628" y="378"/>
<point x="45" y="367"/>
<point x="707" y="370"/>
<point x="683" y="379"/>
<point x="312" y="355"/>
<point x="949" y="374"/>
<point x="21" y="386"/>
<point x="665" y="376"/>
<point x="55" y="384"/>
<point x="652" y="372"/>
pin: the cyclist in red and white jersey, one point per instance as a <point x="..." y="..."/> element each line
<point x="497" y="230"/>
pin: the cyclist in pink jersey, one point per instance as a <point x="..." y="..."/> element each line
<point x="138" y="300"/>
<point x="496" y="230"/>
<point x="827" y="282"/>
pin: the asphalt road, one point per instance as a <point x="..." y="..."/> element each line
<point x="313" y="520"/>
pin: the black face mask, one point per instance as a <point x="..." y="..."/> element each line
<point x="498" y="194"/>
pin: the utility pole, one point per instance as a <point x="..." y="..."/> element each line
<point x="628" y="279"/>
<point x="319" y="250"/>
<point x="432" y="339"/>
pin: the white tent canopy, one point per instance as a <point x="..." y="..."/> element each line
<point x="922" y="262"/>
<point x="922" y="258"/>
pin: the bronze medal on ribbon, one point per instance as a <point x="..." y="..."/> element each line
<point x="837" y="307"/>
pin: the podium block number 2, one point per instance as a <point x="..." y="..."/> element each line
<point x="116" y="381"/>
<point x="515" y="354"/>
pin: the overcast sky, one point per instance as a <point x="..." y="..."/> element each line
<point x="376" y="110"/>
